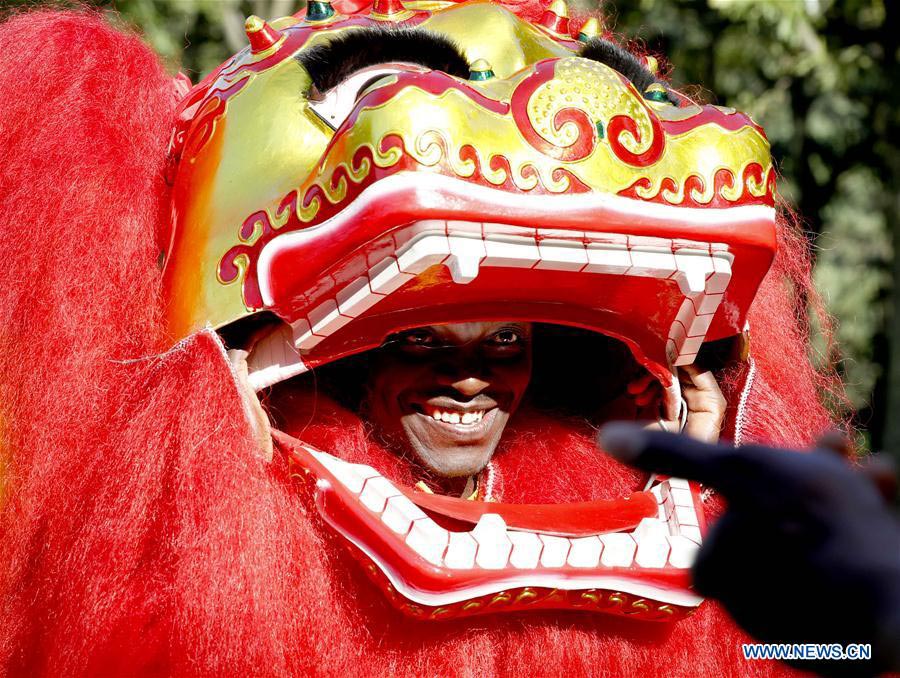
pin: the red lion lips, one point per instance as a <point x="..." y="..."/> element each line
<point x="629" y="557"/>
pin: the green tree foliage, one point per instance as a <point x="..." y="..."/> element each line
<point x="196" y="35"/>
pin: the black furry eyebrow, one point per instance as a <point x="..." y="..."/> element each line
<point x="329" y="64"/>
<point x="618" y="58"/>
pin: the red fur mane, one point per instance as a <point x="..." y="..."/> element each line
<point x="140" y="532"/>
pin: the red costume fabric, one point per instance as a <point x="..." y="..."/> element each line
<point x="141" y="533"/>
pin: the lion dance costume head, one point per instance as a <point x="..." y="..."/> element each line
<point x="176" y="255"/>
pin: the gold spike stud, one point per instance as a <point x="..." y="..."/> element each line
<point x="652" y="64"/>
<point x="253" y="24"/>
<point x="560" y="8"/>
<point x="590" y="30"/>
<point x="260" y="34"/>
<point x="556" y="18"/>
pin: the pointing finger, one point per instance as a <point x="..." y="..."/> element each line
<point x="741" y="475"/>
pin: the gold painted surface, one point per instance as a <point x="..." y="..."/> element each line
<point x="559" y="8"/>
<point x="396" y="17"/>
<point x="265" y="146"/>
<point x="269" y="143"/>
<point x="526" y="595"/>
<point x="486" y="31"/>
<point x="429" y="5"/>
<point x="591" y="28"/>
<point x="435" y="129"/>
<point x="594" y="88"/>
<point x="284" y="22"/>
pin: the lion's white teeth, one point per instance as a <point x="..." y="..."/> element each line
<point x="436" y="415"/>
<point x="468" y="418"/>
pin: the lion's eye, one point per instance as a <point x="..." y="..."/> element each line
<point x="335" y="105"/>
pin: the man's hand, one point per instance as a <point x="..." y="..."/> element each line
<point x="701" y="393"/>
<point x="808" y="550"/>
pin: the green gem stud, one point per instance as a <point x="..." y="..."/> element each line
<point x="656" y="92"/>
<point x="481" y="70"/>
<point x="319" y="10"/>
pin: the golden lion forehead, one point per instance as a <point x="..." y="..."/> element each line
<point x="479" y="30"/>
<point x="482" y="97"/>
<point x="329" y="62"/>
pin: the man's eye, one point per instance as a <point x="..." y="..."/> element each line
<point x="506" y="338"/>
<point x="419" y="339"/>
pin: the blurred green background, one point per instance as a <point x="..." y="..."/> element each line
<point x="821" y="76"/>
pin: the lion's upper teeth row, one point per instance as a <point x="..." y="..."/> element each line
<point x="451" y="417"/>
<point x="701" y="269"/>
<point x="670" y="539"/>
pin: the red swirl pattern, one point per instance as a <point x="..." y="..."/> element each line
<point x="543" y="73"/>
<point x="724" y="179"/>
<point x="621" y="124"/>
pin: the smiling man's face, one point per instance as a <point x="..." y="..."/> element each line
<point x="447" y="391"/>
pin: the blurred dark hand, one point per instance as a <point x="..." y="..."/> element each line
<point x="808" y="550"/>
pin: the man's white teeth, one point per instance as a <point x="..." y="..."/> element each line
<point x="457" y="418"/>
